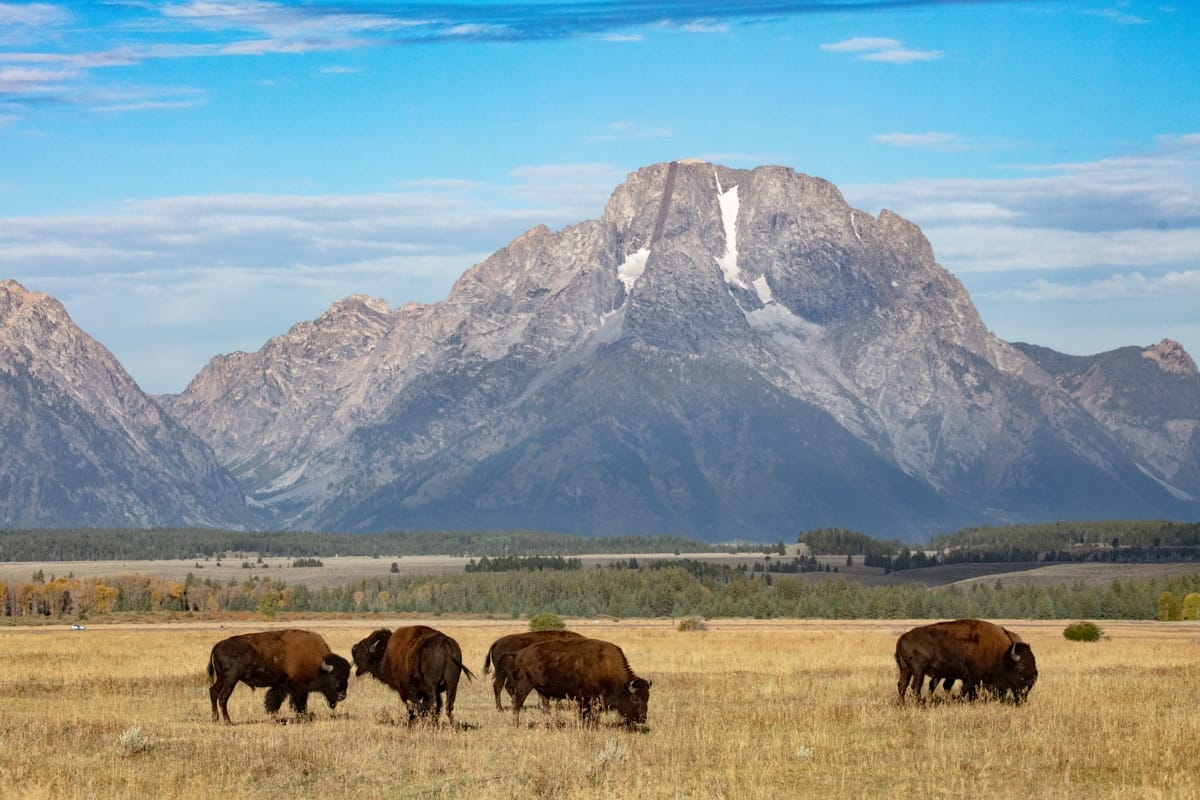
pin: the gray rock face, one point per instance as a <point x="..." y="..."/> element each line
<point x="81" y="445"/>
<point x="722" y="353"/>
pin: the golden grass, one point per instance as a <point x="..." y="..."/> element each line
<point x="742" y="710"/>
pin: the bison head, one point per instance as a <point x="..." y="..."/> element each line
<point x="1020" y="671"/>
<point x="368" y="654"/>
<point x="334" y="678"/>
<point x="632" y="701"/>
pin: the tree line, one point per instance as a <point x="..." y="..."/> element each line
<point x="656" y="589"/>
<point x="116" y="544"/>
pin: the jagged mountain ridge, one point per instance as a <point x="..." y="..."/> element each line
<point x="81" y="445"/>
<point x="812" y="365"/>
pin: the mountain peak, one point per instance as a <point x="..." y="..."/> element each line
<point x="1170" y="357"/>
<point x="722" y="353"/>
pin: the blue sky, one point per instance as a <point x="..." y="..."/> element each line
<point x="192" y="178"/>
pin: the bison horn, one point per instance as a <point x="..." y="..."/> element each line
<point x="326" y="666"/>
<point x="1013" y="653"/>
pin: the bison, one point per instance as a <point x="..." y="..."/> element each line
<point x="419" y="662"/>
<point x="971" y="650"/>
<point x="594" y="673"/>
<point x="511" y="644"/>
<point x="289" y="662"/>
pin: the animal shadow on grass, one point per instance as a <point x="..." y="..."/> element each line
<point x="387" y="718"/>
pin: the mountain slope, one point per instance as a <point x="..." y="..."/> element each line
<point x="722" y="353"/>
<point x="81" y="445"/>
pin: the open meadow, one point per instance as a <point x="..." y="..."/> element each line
<point x="744" y="709"/>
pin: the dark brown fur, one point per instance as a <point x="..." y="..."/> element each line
<point x="977" y="652"/>
<point x="419" y="662"/>
<point x="511" y="644"/>
<point x="589" y="671"/>
<point x="290" y="662"/>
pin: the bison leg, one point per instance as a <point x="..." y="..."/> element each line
<point x="518" y="700"/>
<point x="498" y="683"/>
<point x="219" y="693"/>
<point x="589" y="710"/>
<point x="299" y="701"/>
<point x="451" y="694"/>
<point x="274" y="699"/>
<point x="212" y="696"/>
<point x="902" y="683"/>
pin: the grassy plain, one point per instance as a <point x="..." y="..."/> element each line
<point x="745" y="709"/>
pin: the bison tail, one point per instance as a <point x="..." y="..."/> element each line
<point x="487" y="663"/>
<point x="463" y="667"/>
<point x="212" y="671"/>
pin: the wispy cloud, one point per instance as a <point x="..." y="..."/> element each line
<point x="195" y="276"/>
<point x="25" y="22"/>
<point x="861" y="44"/>
<point x="932" y="140"/>
<point x="1117" y="16"/>
<point x="871" y="48"/>
<point x="126" y="34"/>
<point x="1113" y="287"/>
<point x="902" y="56"/>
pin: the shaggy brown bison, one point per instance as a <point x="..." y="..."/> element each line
<point x="592" y="672"/>
<point x="290" y="662"/>
<point x="511" y="644"/>
<point x="971" y="650"/>
<point x="419" y="662"/>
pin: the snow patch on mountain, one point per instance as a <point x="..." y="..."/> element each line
<point x="728" y="262"/>
<point x="632" y="268"/>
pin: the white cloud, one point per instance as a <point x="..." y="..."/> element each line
<point x="22" y="22"/>
<point x="892" y="51"/>
<point x="902" y="56"/>
<point x="32" y="79"/>
<point x="201" y="275"/>
<point x="862" y="43"/>
<point x="1005" y="248"/>
<point x="1121" y="286"/>
<point x="931" y="141"/>
<point x="1119" y="17"/>
<point x="1092" y="243"/>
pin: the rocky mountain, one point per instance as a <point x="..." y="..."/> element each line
<point x="81" y="445"/>
<point x="723" y="353"/>
<point x="1147" y="398"/>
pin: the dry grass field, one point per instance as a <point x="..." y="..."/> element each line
<point x="741" y="710"/>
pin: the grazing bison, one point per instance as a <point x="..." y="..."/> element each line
<point x="290" y="662"/>
<point x="593" y="673"/>
<point x="971" y="650"/>
<point x="511" y="644"/>
<point x="418" y="662"/>
<point x="948" y="680"/>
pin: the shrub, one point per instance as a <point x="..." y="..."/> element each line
<point x="132" y="742"/>
<point x="1170" y="608"/>
<point x="546" y="622"/>
<point x="1191" y="606"/>
<point x="1083" y="632"/>
<point x="691" y="624"/>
